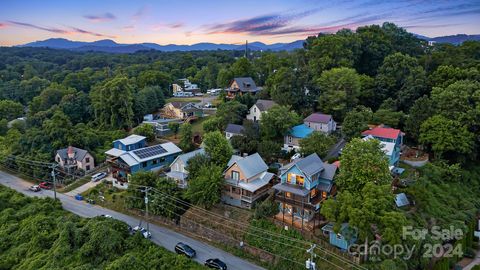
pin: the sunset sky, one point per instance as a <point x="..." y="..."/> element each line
<point x="188" y="22"/>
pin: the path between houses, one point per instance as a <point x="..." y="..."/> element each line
<point x="83" y="188"/>
<point x="160" y="235"/>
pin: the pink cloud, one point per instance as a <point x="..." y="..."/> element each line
<point x="101" y="18"/>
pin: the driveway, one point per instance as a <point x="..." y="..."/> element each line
<point x="160" y="236"/>
<point x="83" y="188"/>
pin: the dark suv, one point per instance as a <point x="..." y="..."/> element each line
<point x="216" y="263"/>
<point x="185" y="249"/>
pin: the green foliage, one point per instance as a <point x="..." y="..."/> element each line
<point x="388" y="117"/>
<point x="339" y="91"/>
<point x="362" y="162"/>
<point x="276" y="123"/>
<point x="265" y="209"/>
<point x="195" y="163"/>
<point x="422" y="109"/>
<point x="206" y="187"/>
<point x="231" y="112"/>
<point x="135" y="198"/>
<point x="10" y="109"/>
<point x="174" y="127"/>
<point x="146" y="130"/>
<point x="285" y="87"/>
<point x="163" y="205"/>
<point x="38" y="234"/>
<point x="316" y="142"/>
<point x="186" y="137"/>
<point x="213" y="124"/>
<point x="356" y="121"/>
<point x="269" y="150"/>
<point x="218" y="148"/>
<point x="444" y="135"/>
<point x="3" y="127"/>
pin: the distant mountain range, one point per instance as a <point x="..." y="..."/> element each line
<point x="107" y="45"/>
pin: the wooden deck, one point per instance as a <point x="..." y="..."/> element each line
<point x="286" y="219"/>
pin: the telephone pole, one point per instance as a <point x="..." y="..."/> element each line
<point x="310" y="264"/>
<point x="146" y="190"/>
<point x="54" y="182"/>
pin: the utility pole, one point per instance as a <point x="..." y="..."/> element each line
<point x="54" y="183"/>
<point x="310" y="264"/>
<point x="146" y="190"/>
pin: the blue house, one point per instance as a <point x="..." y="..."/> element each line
<point x="391" y="140"/>
<point x="346" y="237"/>
<point x="304" y="184"/>
<point x="296" y="133"/>
<point x="131" y="155"/>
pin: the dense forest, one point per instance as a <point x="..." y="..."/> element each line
<point x="38" y="234"/>
<point x="374" y="75"/>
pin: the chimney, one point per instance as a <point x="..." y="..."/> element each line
<point x="70" y="152"/>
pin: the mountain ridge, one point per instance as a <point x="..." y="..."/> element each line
<point x="108" y="45"/>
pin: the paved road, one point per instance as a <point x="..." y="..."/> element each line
<point x="161" y="236"/>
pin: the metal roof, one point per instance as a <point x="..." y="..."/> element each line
<point x="132" y="139"/>
<point x="318" y="118"/>
<point x="233" y="128"/>
<point x="250" y="165"/>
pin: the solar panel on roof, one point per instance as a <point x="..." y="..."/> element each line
<point x="149" y="151"/>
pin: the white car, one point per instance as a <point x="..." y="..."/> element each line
<point x="297" y="155"/>
<point x="98" y="176"/>
<point x="199" y="94"/>
<point x="106" y="216"/>
<point x="143" y="231"/>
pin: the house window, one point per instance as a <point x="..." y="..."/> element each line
<point x="58" y="159"/>
<point x="288" y="194"/>
<point x="289" y="139"/>
<point x="254" y="109"/>
<point x="324" y="194"/>
<point x="88" y="168"/>
<point x="290" y="178"/>
<point x="162" y="159"/>
<point x="87" y="159"/>
<point x="155" y="161"/>
<point x="144" y="164"/>
<point x="300" y="180"/>
<point x="235" y="175"/>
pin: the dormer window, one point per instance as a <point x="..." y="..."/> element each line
<point x="235" y="175"/>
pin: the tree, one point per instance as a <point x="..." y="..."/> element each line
<point x="339" y="91"/>
<point x="195" y="163"/>
<point x="213" y="124"/>
<point x="186" y="134"/>
<point x="162" y="202"/>
<point x="218" y="148"/>
<point x="356" y="121"/>
<point x="444" y="135"/>
<point x="443" y="76"/>
<point x="10" y="110"/>
<point x="285" y="87"/>
<point x="59" y="129"/>
<point x="276" y="123"/>
<point x="112" y="103"/>
<point x="375" y="46"/>
<point x="52" y="95"/>
<point x="3" y="127"/>
<point x="146" y="130"/>
<point x="362" y="162"/>
<point x="422" y="109"/>
<point x="316" y="142"/>
<point x="388" y="117"/>
<point x="174" y="127"/>
<point x="205" y="189"/>
<point x="134" y="190"/>
<point x="224" y="77"/>
<point x="400" y="77"/>
<point x="231" y="112"/>
<point x="243" y="68"/>
<point x="269" y="150"/>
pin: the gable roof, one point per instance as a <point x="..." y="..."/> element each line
<point x="264" y="104"/>
<point x="245" y="84"/>
<point x="79" y="153"/>
<point x="187" y="156"/>
<point x="301" y="131"/>
<point x="134" y="138"/>
<point x="318" y="118"/>
<point x="233" y="128"/>
<point x="310" y="165"/>
<point x="250" y="165"/>
<point x="401" y="200"/>
<point x="148" y="153"/>
<point x="383" y="132"/>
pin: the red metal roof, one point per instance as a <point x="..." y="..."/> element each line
<point x="383" y="132"/>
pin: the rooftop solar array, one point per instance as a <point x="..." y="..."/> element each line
<point x="149" y="151"/>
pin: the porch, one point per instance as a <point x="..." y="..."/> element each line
<point x="297" y="222"/>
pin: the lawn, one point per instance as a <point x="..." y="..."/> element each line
<point x="76" y="184"/>
<point x="197" y="125"/>
<point x="194" y="100"/>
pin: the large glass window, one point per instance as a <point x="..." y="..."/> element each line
<point x="235" y="175"/>
<point x="300" y="180"/>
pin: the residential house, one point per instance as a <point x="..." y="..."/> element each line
<point x="346" y="237"/>
<point x="292" y="139"/>
<point x="131" y="155"/>
<point x="391" y="139"/>
<point x="246" y="181"/>
<point x="233" y="130"/>
<point x="261" y="106"/>
<point x="177" y="169"/>
<point x="321" y="122"/>
<point x="241" y="86"/>
<point x="304" y="184"/>
<point x="187" y="87"/>
<point x="71" y="159"/>
<point x="182" y="110"/>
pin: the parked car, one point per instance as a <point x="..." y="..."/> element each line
<point x="35" y="188"/>
<point x="216" y="264"/>
<point x="106" y="216"/>
<point x="199" y="94"/>
<point x="208" y="105"/>
<point x="45" y="185"/>
<point x="143" y="231"/>
<point x="98" y="176"/>
<point x="90" y="201"/>
<point x="297" y="155"/>
<point x="185" y="249"/>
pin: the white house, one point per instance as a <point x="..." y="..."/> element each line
<point x="262" y="106"/>
<point x="177" y="169"/>
<point x="233" y="130"/>
<point x="321" y="122"/>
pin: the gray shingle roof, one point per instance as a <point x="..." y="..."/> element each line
<point x="246" y="84"/>
<point x="310" y="165"/>
<point x="233" y="128"/>
<point x="265" y="105"/>
<point x="79" y="153"/>
<point x="250" y="165"/>
<point x="318" y="118"/>
<point x="329" y="171"/>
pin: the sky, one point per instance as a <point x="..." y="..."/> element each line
<point x="224" y="21"/>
